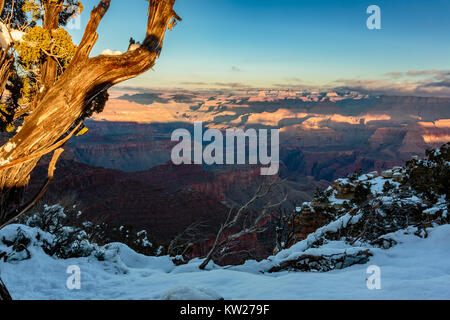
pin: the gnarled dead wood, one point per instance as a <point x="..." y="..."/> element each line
<point x="64" y="102"/>
<point x="2" y="5"/>
<point x="223" y="239"/>
<point x="41" y="153"/>
<point x="6" y="62"/>
<point x="49" y="69"/>
<point x="27" y="207"/>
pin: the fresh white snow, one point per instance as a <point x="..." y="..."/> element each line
<point x="7" y="36"/>
<point x="414" y="269"/>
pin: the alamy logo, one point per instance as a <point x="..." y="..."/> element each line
<point x="74" y="281"/>
<point x="192" y="151"/>
<point x="374" y="20"/>
<point x="374" y="280"/>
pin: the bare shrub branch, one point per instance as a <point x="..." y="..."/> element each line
<point x="225" y="237"/>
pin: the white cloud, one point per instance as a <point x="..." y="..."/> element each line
<point x="438" y="86"/>
<point x="109" y="52"/>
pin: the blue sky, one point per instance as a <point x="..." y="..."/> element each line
<point x="265" y="43"/>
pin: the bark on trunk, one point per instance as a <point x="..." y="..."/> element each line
<point x="51" y="22"/>
<point x="6" y="61"/>
<point x="2" y="5"/>
<point x="63" y="104"/>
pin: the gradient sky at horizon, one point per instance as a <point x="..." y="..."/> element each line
<point x="265" y="43"/>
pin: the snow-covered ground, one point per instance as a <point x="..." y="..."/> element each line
<point x="414" y="269"/>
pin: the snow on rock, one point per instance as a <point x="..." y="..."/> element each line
<point x="302" y="247"/>
<point x="440" y="206"/>
<point x="191" y="293"/>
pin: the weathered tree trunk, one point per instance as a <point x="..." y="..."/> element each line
<point x="2" y="5"/>
<point x="5" y="69"/>
<point x="50" y="66"/>
<point x="63" y="102"/>
<point x="6" y="61"/>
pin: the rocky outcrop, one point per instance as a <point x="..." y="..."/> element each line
<point x="308" y="221"/>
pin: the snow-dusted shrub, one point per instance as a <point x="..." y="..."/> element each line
<point x="323" y="263"/>
<point x="18" y="245"/>
<point x="381" y="206"/>
<point x="362" y="192"/>
<point x="388" y="186"/>
<point x="67" y="241"/>
<point x="51" y="219"/>
<point x="432" y="175"/>
<point x="74" y="237"/>
<point x="379" y="218"/>
<point x="103" y="233"/>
